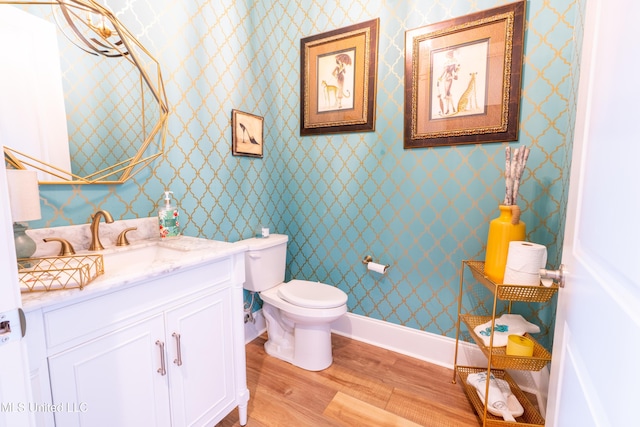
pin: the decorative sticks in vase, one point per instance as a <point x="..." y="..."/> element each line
<point x="507" y="227"/>
<point x="514" y="168"/>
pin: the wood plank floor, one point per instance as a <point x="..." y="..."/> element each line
<point x="365" y="386"/>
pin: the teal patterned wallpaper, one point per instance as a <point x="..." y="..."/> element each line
<point x="341" y="197"/>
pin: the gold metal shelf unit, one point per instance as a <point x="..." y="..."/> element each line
<point x="497" y="359"/>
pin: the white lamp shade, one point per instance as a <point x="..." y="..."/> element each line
<point x="24" y="197"/>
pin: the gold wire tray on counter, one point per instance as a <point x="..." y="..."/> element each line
<point x="511" y="292"/>
<point x="60" y="272"/>
<point x="530" y="417"/>
<point x="499" y="357"/>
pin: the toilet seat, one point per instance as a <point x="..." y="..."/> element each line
<point x="304" y="293"/>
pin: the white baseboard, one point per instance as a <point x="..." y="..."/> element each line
<point x="426" y="346"/>
<point x="422" y="345"/>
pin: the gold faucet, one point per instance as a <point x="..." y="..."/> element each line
<point x="122" y="237"/>
<point x="95" y="224"/>
<point x="66" y="248"/>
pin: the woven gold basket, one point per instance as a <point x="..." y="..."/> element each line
<point x="530" y="417"/>
<point x="61" y="272"/>
<point x="511" y="292"/>
<point x="499" y="357"/>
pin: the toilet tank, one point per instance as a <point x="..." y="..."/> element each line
<point x="265" y="262"/>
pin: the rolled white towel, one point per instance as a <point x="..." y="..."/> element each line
<point x="505" y="325"/>
<point x="497" y="400"/>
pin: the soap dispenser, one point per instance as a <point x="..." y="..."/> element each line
<point x="168" y="218"/>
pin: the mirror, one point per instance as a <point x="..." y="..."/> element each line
<point x="114" y="98"/>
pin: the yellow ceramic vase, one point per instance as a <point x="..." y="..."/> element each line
<point x="502" y="230"/>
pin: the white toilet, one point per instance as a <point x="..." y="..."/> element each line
<point x="298" y="313"/>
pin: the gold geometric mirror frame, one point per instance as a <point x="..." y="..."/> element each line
<point x="120" y="125"/>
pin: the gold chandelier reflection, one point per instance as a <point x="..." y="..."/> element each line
<point x="97" y="31"/>
<point x="81" y="21"/>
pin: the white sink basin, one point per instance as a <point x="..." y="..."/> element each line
<point x="120" y="263"/>
<point x="140" y="258"/>
<point x="149" y="256"/>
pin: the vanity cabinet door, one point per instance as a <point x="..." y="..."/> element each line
<point x="200" y="352"/>
<point x="114" y="380"/>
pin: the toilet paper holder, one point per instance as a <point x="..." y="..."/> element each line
<point x="367" y="259"/>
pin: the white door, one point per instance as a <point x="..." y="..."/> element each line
<point x="14" y="371"/>
<point x="594" y="371"/>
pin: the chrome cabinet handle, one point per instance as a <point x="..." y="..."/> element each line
<point x="178" y="360"/>
<point x="162" y="370"/>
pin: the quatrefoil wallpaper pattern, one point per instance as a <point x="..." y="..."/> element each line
<point x="341" y="197"/>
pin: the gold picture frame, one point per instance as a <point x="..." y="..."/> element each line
<point x="338" y="80"/>
<point x="247" y="134"/>
<point x="463" y="79"/>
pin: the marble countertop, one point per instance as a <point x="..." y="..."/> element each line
<point x="191" y="252"/>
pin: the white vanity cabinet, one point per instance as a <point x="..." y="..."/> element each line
<point x="165" y="351"/>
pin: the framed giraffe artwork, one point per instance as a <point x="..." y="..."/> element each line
<point x="463" y="79"/>
<point x="247" y="132"/>
<point x="338" y="80"/>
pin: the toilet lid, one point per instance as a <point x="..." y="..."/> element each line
<point x="308" y="294"/>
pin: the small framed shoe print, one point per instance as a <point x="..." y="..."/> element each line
<point x="247" y="132"/>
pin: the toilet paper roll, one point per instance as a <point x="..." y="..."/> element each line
<point x="378" y="268"/>
<point x="524" y="261"/>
